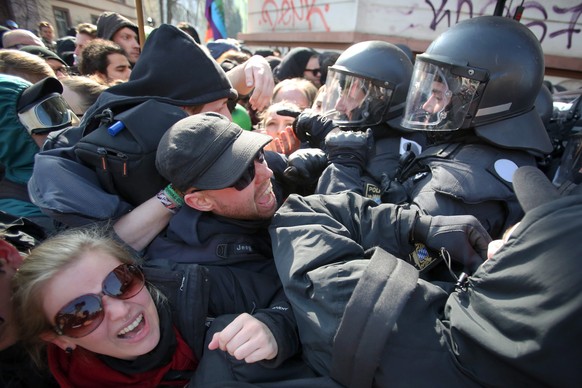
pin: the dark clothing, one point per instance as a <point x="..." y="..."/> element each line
<point x="242" y="276"/>
<point x="513" y="323"/>
<point x="69" y="191"/>
<point x="18" y="371"/>
<point x="475" y="179"/>
<point x="382" y="163"/>
<point x="293" y="63"/>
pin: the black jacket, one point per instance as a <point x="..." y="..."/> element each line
<point x="238" y="260"/>
<point x="513" y="323"/>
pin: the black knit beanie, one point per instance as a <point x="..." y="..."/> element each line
<point x="294" y="63"/>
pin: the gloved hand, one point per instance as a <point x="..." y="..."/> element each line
<point x="305" y="165"/>
<point x="309" y="127"/>
<point x="462" y="236"/>
<point x="348" y="148"/>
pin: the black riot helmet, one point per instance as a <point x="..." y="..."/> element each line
<point x="367" y="85"/>
<point x="483" y="73"/>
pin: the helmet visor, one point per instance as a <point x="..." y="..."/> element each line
<point x="47" y="115"/>
<point x="350" y="100"/>
<point x="437" y="99"/>
<point x="571" y="165"/>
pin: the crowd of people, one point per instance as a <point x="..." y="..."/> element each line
<point x="179" y="213"/>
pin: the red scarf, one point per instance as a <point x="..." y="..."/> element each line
<point x="84" y="369"/>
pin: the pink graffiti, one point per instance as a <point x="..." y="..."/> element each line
<point x="286" y="13"/>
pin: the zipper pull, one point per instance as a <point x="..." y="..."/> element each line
<point x="123" y="157"/>
<point x="103" y="156"/>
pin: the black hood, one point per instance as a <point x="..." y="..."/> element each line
<point x="111" y="22"/>
<point x="173" y="68"/>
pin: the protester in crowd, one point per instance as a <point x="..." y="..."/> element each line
<point x="280" y="127"/>
<point x="46" y="31"/>
<point x="190" y="30"/>
<point x="300" y="62"/>
<point x="66" y="51"/>
<point x="86" y="32"/>
<point x="327" y="59"/>
<point x="109" y="326"/>
<point x="221" y="172"/>
<point x="197" y="84"/>
<point x="29" y="113"/>
<point x="25" y="65"/>
<point x="365" y="318"/>
<point x="117" y="28"/>
<point x="56" y="63"/>
<point x="104" y="61"/>
<point x="299" y="91"/>
<point x="17" y="236"/>
<point x="18" y="38"/>
<point x="81" y="92"/>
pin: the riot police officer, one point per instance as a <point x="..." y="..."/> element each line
<point x="365" y="94"/>
<point x="474" y="90"/>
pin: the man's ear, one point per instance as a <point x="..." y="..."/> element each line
<point x="199" y="201"/>
<point x="10" y="253"/>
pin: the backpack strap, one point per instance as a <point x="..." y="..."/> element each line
<point x="375" y="305"/>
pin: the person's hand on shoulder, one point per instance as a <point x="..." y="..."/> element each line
<point x="246" y="338"/>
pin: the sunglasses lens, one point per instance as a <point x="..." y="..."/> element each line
<point x="249" y="174"/>
<point x="246" y="178"/>
<point x="80" y="317"/>
<point x="124" y="282"/>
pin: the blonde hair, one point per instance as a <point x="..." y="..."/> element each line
<point x="43" y="263"/>
<point x="305" y="86"/>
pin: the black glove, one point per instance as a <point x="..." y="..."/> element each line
<point x="348" y="148"/>
<point x="463" y="237"/>
<point x="309" y="127"/>
<point x="392" y="191"/>
<point x="305" y="165"/>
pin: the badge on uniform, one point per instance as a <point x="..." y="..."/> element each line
<point x="421" y="257"/>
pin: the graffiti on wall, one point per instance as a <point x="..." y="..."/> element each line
<point x="548" y="22"/>
<point x="448" y="14"/>
<point x="287" y="14"/>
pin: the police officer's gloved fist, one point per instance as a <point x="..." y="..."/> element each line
<point x="463" y="237"/>
<point x="309" y="127"/>
<point x="305" y="165"/>
<point x="348" y="148"/>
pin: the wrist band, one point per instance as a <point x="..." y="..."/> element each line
<point x="170" y="199"/>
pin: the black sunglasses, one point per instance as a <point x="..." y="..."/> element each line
<point x="247" y="176"/>
<point x="315" y="72"/>
<point x="82" y="315"/>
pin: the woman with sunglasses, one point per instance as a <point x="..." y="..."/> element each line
<point x="81" y="297"/>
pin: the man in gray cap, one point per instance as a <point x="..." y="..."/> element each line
<point x="220" y="171"/>
<point x="219" y="167"/>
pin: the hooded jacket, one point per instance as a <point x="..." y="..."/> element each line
<point x="172" y="69"/>
<point x="17" y="148"/>
<point x="111" y="22"/>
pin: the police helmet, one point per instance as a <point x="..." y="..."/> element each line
<point x="367" y="85"/>
<point x="483" y="73"/>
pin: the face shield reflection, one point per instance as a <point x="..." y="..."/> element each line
<point x="349" y="99"/>
<point x="437" y="100"/>
<point x="47" y="115"/>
